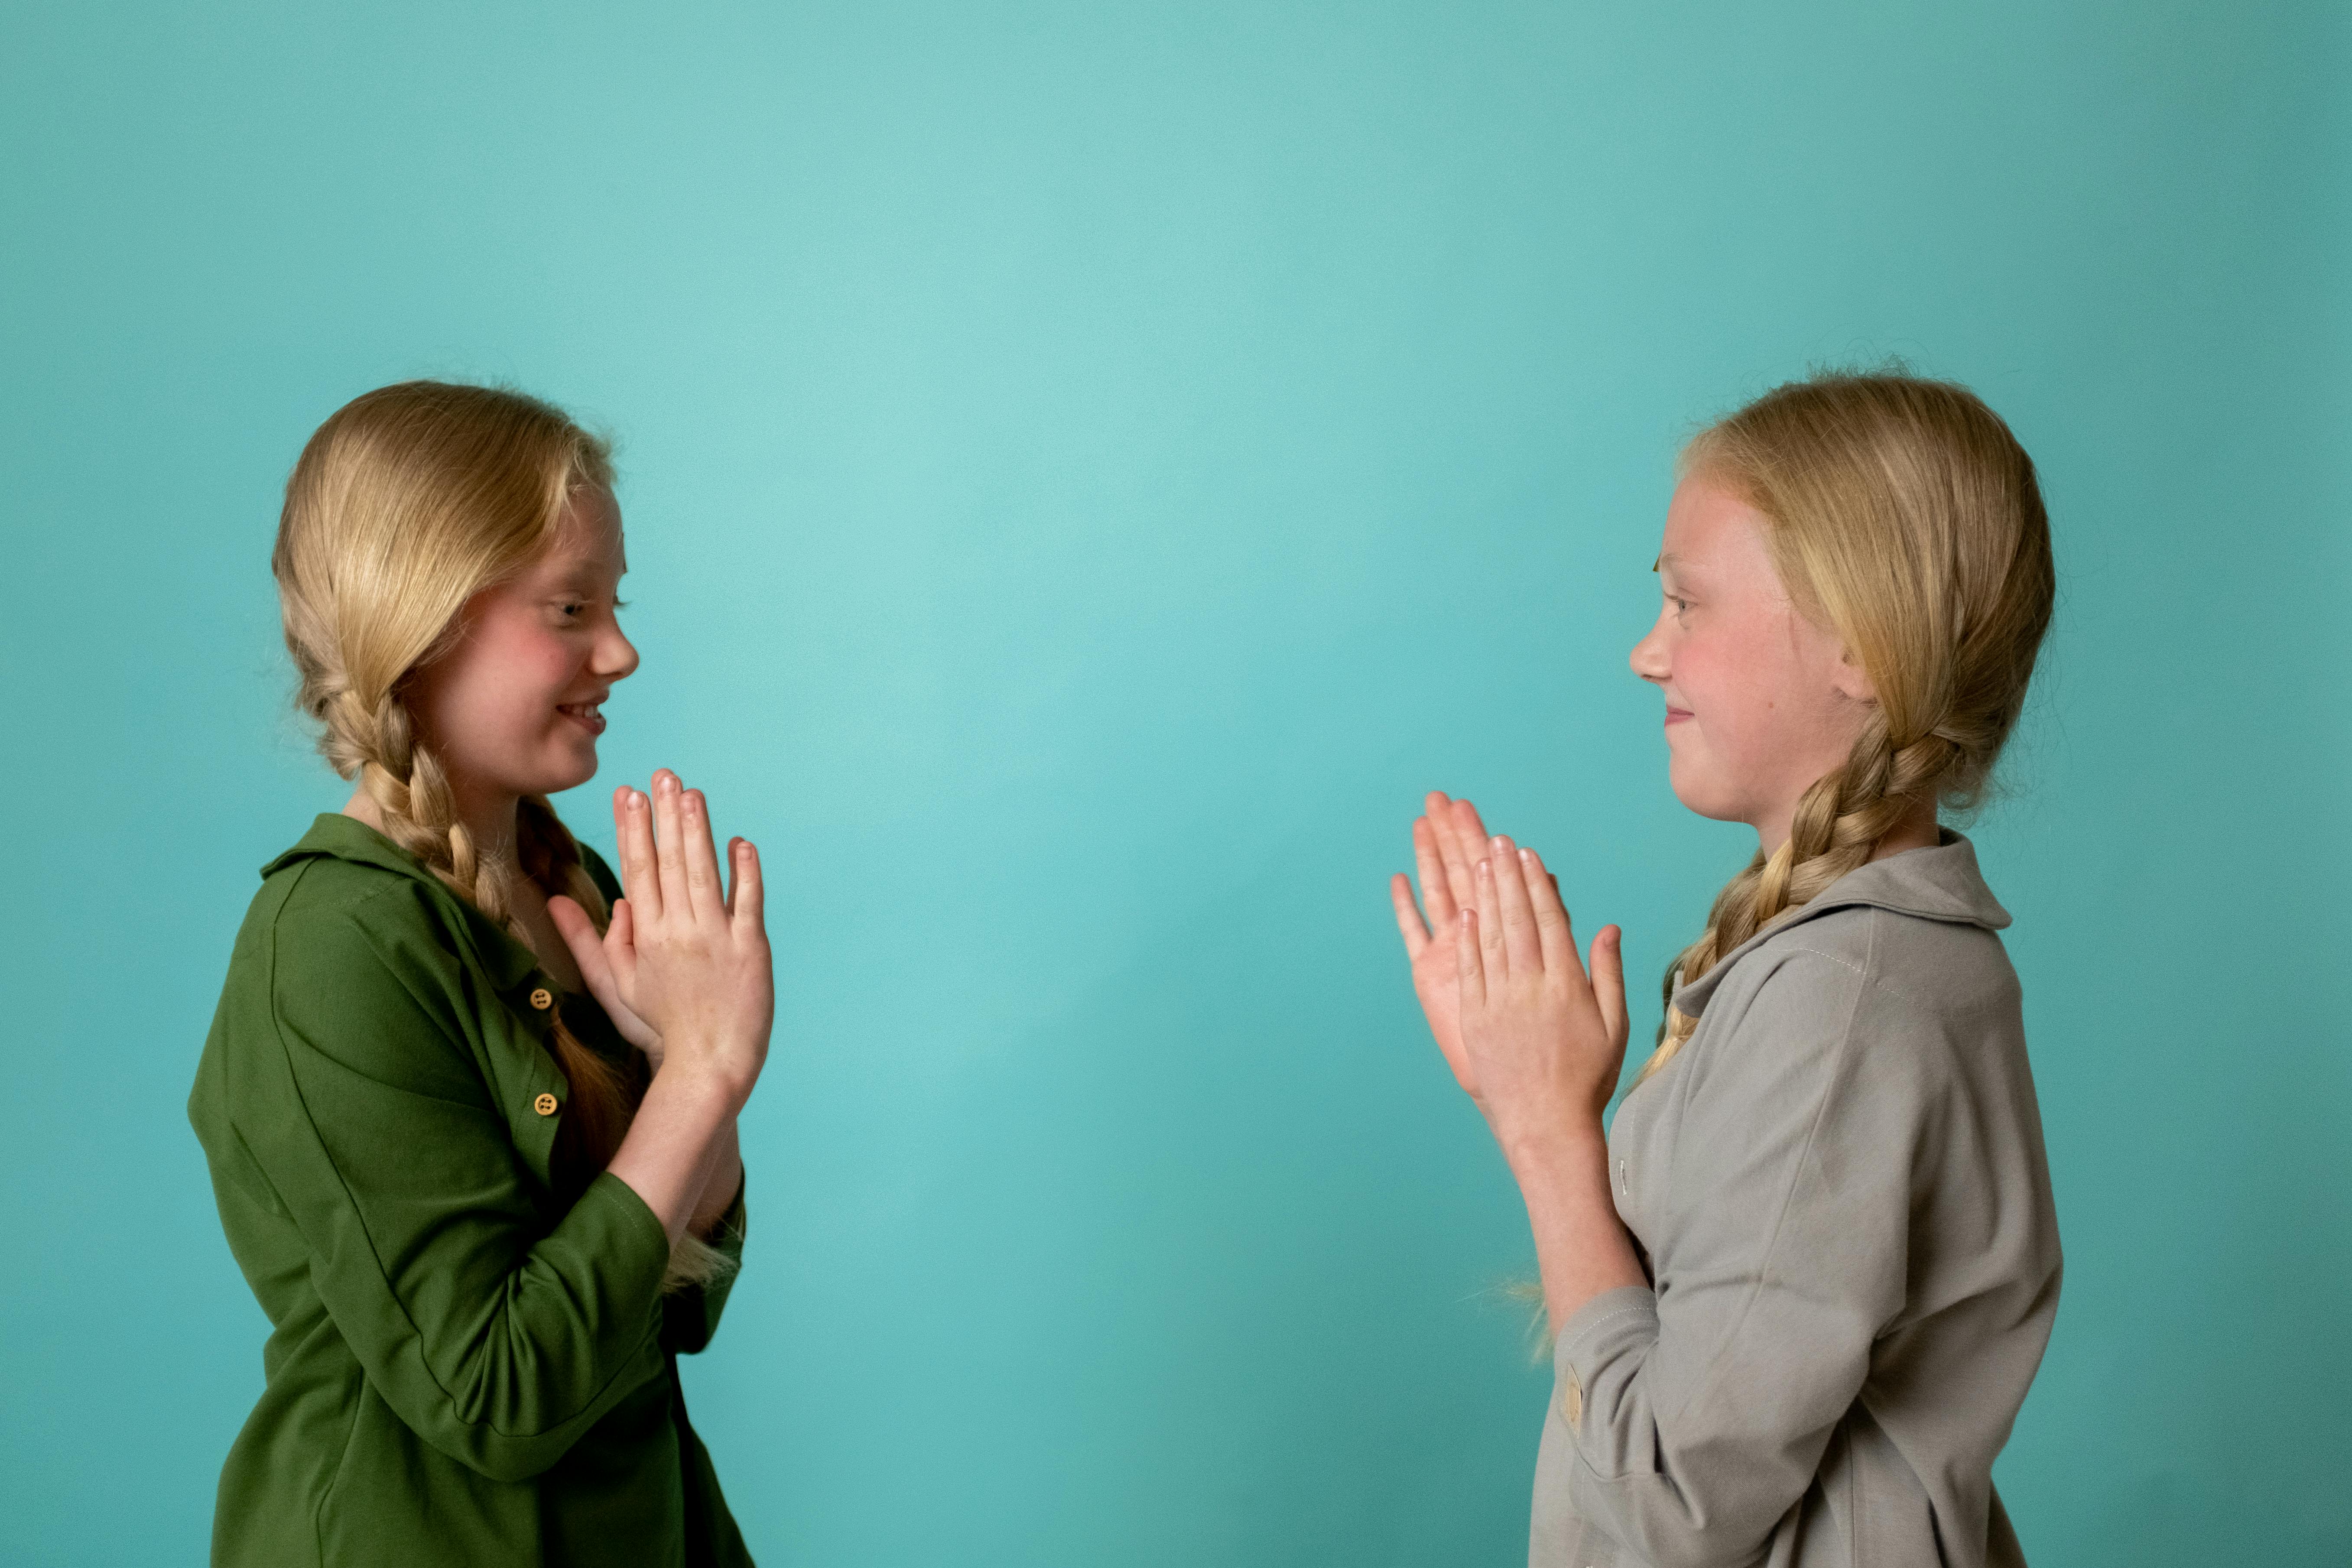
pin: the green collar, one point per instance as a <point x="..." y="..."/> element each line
<point x="333" y="835"/>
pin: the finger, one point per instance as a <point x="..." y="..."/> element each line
<point x="749" y="902"/>
<point x="621" y="943"/>
<point x="1520" y="937"/>
<point x="1552" y="927"/>
<point x="578" y="932"/>
<point x="669" y="846"/>
<point x="1492" y="954"/>
<point x="703" y="881"/>
<point x="1472" y="831"/>
<point x="1469" y="962"/>
<point x="1458" y="856"/>
<point x="1408" y="916"/>
<point x="587" y="945"/>
<point x="640" y="869"/>
<point x="1608" y="979"/>
<point x="1436" y="890"/>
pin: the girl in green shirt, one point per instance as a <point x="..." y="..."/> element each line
<point x="470" y="1114"/>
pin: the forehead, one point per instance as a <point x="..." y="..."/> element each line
<point x="1711" y="529"/>
<point x="587" y="538"/>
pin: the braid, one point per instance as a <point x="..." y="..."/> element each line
<point x="1840" y="823"/>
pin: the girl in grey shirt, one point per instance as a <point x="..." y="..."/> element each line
<point x="1801" y="1287"/>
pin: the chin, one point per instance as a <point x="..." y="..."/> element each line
<point x="1715" y="806"/>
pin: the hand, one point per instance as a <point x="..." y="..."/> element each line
<point x="603" y="960"/>
<point x="692" y="965"/>
<point x="1447" y="841"/>
<point x="1543" y="1040"/>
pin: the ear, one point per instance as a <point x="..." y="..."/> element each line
<point x="1851" y="680"/>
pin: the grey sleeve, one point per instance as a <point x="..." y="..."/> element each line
<point x="1700" y="1409"/>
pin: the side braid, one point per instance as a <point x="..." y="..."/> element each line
<point x="1838" y="825"/>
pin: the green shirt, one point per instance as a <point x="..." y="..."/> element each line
<point x="472" y="1361"/>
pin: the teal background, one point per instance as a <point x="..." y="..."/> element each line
<point x="1088" y="471"/>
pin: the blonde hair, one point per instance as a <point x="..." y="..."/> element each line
<point x="1903" y="515"/>
<point x="408" y="501"/>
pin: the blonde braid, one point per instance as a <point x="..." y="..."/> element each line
<point x="1838" y="825"/>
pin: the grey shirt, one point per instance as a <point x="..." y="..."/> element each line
<point x="1840" y="1189"/>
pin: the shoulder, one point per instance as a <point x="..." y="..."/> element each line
<point x="355" y="964"/>
<point x="339" y="920"/>
<point x="1895" y="1005"/>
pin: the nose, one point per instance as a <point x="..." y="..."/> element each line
<point x="616" y="656"/>
<point x="1648" y="659"/>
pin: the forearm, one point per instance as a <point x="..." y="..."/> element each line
<point x="1582" y="1246"/>
<point x="684" y="1132"/>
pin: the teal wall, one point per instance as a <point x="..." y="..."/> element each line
<point x="1087" y="470"/>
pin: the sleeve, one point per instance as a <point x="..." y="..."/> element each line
<point x="1701" y="1409"/>
<point x="497" y="1339"/>
<point x="690" y="1317"/>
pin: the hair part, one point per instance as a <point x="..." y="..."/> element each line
<point x="1903" y="515"/>
<point x="406" y="503"/>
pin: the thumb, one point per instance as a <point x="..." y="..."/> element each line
<point x="578" y="934"/>
<point x="1608" y="969"/>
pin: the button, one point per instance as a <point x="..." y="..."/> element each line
<point x="1571" y="1398"/>
<point x="543" y="998"/>
<point x="545" y="1103"/>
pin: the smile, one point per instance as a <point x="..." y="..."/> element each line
<point x="589" y="716"/>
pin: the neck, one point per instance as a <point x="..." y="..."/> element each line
<point x="487" y="815"/>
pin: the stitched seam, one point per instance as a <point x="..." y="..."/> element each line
<point x="383" y="1275"/>
<point x="1594" y="1327"/>
<point x="1803" y="1162"/>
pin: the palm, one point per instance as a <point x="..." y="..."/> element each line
<point x="1447" y="841"/>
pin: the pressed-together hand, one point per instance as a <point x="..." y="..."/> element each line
<point x="684" y="968"/>
<point x="1447" y="842"/>
<point x="1544" y="1039"/>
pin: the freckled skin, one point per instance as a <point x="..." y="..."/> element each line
<point x="1772" y="701"/>
<point x="547" y="636"/>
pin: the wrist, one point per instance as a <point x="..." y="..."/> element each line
<point x="692" y="1079"/>
<point x="1554" y="1147"/>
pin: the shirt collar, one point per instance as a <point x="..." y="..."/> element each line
<point x="335" y="835"/>
<point x="1940" y="883"/>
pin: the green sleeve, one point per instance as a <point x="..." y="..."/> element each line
<point x="499" y="1338"/>
<point x="690" y="1317"/>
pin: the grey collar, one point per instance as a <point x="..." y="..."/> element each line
<point x="1937" y="884"/>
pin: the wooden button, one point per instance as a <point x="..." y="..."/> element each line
<point x="543" y="998"/>
<point x="545" y="1103"/>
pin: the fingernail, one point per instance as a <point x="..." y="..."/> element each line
<point x="1526" y="857"/>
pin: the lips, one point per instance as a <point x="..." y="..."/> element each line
<point x="1677" y="715"/>
<point x="589" y="716"/>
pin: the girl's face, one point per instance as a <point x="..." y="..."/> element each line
<point x="1760" y="703"/>
<point x="512" y="709"/>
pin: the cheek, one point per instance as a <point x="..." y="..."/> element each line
<point x="498" y="693"/>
